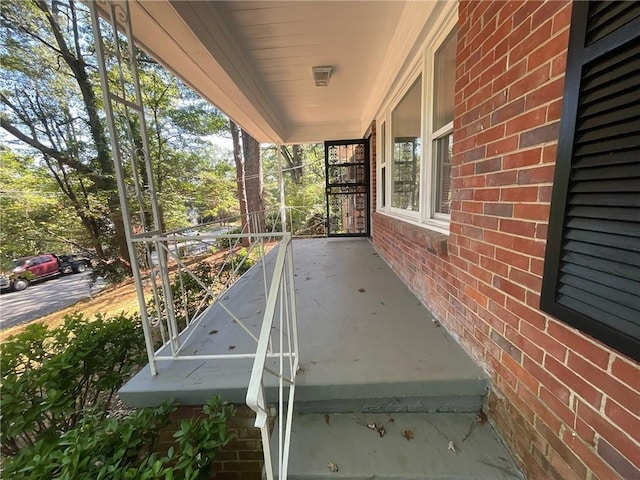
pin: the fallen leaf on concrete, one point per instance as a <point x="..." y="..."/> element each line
<point x="377" y="428"/>
<point x="452" y="447"/>
<point x="408" y="434"/>
<point x="436" y="323"/>
<point x="332" y="467"/>
<point x="213" y="332"/>
<point x="361" y="290"/>
<point x="327" y="419"/>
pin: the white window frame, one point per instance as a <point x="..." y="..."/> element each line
<point x="401" y="212"/>
<point x="423" y="65"/>
<point x="381" y="154"/>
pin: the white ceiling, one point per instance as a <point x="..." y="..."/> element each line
<point x="253" y="59"/>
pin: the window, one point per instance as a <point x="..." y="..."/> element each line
<point x="592" y="264"/>
<point x="407" y="149"/>
<point x="441" y="134"/>
<point x="382" y="185"/>
<point x="417" y="137"/>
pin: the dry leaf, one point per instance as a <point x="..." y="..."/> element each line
<point x="327" y="419"/>
<point x="408" y="434"/>
<point x="332" y="467"/>
<point x="377" y="428"/>
<point x="213" y="332"/>
<point x="361" y="290"/>
<point x="452" y="447"/>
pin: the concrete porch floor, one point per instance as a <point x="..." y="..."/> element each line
<point x="366" y="342"/>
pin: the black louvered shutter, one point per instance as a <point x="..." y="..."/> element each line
<point x="592" y="265"/>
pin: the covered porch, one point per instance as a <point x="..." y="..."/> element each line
<point x="373" y="363"/>
<point x="366" y="342"/>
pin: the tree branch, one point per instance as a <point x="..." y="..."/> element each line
<point x="32" y="142"/>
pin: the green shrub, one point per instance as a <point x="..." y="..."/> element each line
<point x="57" y="391"/>
<point x="51" y="377"/>
<point x="101" y="448"/>
<point x="243" y="260"/>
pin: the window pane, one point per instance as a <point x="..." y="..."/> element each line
<point x="444" y="81"/>
<point x="383" y="190"/>
<point x="405" y="127"/>
<point x="443" y="173"/>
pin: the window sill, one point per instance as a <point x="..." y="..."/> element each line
<point x="430" y="237"/>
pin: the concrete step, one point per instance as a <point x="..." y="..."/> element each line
<point x="414" y="446"/>
<point x="448" y="397"/>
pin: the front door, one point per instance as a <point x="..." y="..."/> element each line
<point x="347" y="187"/>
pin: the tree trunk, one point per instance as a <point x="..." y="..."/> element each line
<point x="103" y="160"/>
<point x="254" y="183"/>
<point x="294" y="162"/>
<point x="242" y="194"/>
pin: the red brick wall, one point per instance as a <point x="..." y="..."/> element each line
<point x="567" y="405"/>
<point x="242" y="458"/>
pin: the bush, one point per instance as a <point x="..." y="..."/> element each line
<point x="51" y="377"/>
<point x="57" y="391"/>
<point x="101" y="448"/>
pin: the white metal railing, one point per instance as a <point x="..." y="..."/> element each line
<point x="182" y="286"/>
<point x="161" y="261"/>
<point x="277" y="358"/>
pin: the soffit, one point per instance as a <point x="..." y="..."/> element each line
<point x="253" y="59"/>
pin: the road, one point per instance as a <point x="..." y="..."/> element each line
<point x="45" y="297"/>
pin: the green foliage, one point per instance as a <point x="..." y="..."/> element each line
<point x="51" y="377"/>
<point x="102" y="448"/>
<point x="34" y="218"/>
<point x="53" y="107"/>
<point x="304" y="188"/>
<point x="243" y="260"/>
<point x="57" y="390"/>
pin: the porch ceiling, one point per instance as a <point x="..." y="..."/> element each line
<point x="253" y="59"/>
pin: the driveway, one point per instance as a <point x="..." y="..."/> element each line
<point x="45" y="297"/>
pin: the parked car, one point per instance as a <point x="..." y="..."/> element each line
<point x="40" y="267"/>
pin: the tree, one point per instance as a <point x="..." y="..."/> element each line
<point x="52" y="105"/>
<point x="254" y="182"/>
<point x="33" y="217"/>
<point x="178" y="123"/>
<point x="240" y="175"/>
<point x="293" y="159"/>
<point x="304" y="183"/>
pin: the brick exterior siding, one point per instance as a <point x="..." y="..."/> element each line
<point x="242" y="458"/>
<point x="567" y="405"/>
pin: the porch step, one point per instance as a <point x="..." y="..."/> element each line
<point x="414" y="446"/>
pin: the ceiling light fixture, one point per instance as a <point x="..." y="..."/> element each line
<point x="321" y="75"/>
